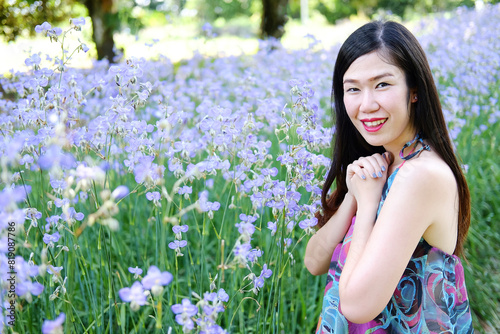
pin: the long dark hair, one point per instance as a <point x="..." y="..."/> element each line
<point x="393" y="41"/>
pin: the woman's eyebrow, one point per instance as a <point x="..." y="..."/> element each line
<point x="377" y="77"/>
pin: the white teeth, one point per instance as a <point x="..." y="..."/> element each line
<point x="375" y="123"/>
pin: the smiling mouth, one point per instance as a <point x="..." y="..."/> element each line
<point x="373" y="125"/>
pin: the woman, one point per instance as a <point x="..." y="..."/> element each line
<point x="393" y="228"/>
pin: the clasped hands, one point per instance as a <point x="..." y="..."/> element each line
<point x="366" y="177"/>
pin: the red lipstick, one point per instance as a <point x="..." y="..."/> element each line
<point x="373" y="124"/>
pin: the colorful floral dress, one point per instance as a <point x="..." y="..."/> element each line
<point x="430" y="297"/>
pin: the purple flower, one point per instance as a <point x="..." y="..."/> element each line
<point x="272" y="226"/>
<point x="156" y="278"/>
<point x="249" y="218"/>
<point x="56" y="31"/>
<point x="222" y="295"/>
<point x="134" y="294"/>
<point x="269" y="171"/>
<point x="258" y="283"/>
<point x="307" y="223"/>
<point x="53" y="270"/>
<point x="79" y="216"/>
<point x="210" y="296"/>
<point x="33" y="214"/>
<point x="184" y="313"/>
<point x="186" y="322"/>
<point x="72" y="214"/>
<point x="207" y="206"/>
<point x="84" y="195"/>
<point x="4" y="248"/>
<point x="48" y="238"/>
<point x="33" y="60"/>
<point x="148" y="172"/>
<point x="185" y="308"/>
<point x="54" y="326"/>
<point x="206" y="27"/>
<point x="185" y="190"/>
<point x="266" y="273"/>
<point x="209" y="183"/>
<point x="119" y="193"/>
<point x="44" y="27"/>
<point x="211" y="206"/>
<point x="177" y="244"/>
<point x="246" y="229"/>
<point x="80" y="21"/>
<point x="180" y="228"/>
<point x="295" y="82"/>
<point x="27" y="287"/>
<point x="253" y="255"/>
<point x="55" y="157"/>
<point x="241" y="252"/>
<point x="26" y="160"/>
<point x="207" y="30"/>
<point x="58" y="185"/>
<point x="143" y="95"/>
<point x="153" y="196"/>
<point x="61" y="202"/>
<point x="10" y="195"/>
<point x="136" y="271"/>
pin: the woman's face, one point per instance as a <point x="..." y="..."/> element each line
<point x="376" y="100"/>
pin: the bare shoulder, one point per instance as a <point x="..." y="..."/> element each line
<point x="428" y="174"/>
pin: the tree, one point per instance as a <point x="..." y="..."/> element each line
<point x="103" y="27"/>
<point x="273" y="18"/>
<point x="21" y="16"/>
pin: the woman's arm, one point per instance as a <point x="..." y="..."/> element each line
<point x="379" y="253"/>
<point x="322" y="244"/>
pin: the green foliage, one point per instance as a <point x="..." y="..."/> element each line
<point x="126" y="15"/>
<point x="482" y="269"/>
<point x="210" y="10"/>
<point x="335" y="10"/>
<point x="396" y="7"/>
<point x="18" y="17"/>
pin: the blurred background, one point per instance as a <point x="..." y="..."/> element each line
<point x="117" y="29"/>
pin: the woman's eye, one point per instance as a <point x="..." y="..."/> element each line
<point x="351" y="90"/>
<point x="383" y="84"/>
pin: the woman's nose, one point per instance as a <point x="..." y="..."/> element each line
<point x="368" y="102"/>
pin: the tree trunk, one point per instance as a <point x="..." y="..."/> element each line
<point x="100" y="12"/>
<point x="304" y="11"/>
<point x="273" y="18"/>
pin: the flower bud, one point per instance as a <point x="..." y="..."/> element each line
<point x="156" y="290"/>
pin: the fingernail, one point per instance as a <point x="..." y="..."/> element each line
<point x="383" y="168"/>
<point x="379" y="174"/>
<point x="363" y="177"/>
<point x="374" y="175"/>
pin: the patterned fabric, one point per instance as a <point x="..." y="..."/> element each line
<point x="430" y="297"/>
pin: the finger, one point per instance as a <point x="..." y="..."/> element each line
<point x="389" y="157"/>
<point x="370" y="164"/>
<point x="381" y="164"/>
<point x="354" y="169"/>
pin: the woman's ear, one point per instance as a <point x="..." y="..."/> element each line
<point x="413" y="95"/>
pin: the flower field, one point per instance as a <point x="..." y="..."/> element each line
<point x="152" y="197"/>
